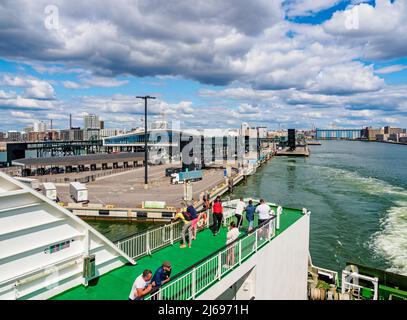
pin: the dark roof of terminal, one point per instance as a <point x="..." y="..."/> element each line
<point x="81" y="160"/>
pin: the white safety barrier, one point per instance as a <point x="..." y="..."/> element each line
<point x="350" y="284"/>
<point x="144" y="243"/>
<point x="202" y="275"/>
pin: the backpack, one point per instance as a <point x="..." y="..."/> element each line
<point x="187" y="216"/>
<point x="192" y="211"/>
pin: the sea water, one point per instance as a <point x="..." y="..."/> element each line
<point x="357" y="193"/>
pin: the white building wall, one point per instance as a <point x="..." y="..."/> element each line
<point x="104" y="133"/>
<point x="281" y="268"/>
<point x="262" y="132"/>
<point x="40" y="126"/>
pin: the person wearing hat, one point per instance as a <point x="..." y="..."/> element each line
<point x="161" y="276"/>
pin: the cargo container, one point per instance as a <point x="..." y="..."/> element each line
<point x="191" y="175"/>
<point x="181" y="177"/>
<point x="78" y="192"/>
<point x="49" y="190"/>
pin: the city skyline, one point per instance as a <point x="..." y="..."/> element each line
<point x="293" y="63"/>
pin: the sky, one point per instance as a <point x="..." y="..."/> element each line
<point x="275" y="63"/>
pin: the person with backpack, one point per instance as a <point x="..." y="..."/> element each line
<point x="206" y="206"/>
<point x="187" y="221"/>
<point x="195" y="218"/>
<point x="250" y="210"/>
<point x="217" y="211"/>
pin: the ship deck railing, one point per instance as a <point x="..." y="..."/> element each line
<point x="199" y="277"/>
<point x="146" y="242"/>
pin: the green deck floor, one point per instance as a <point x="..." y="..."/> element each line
<point x="116" y="284"/>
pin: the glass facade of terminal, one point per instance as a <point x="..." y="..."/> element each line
<point x="138" y="138"/>
<point x="333" y="134"/>
<point x="175" y="143"/>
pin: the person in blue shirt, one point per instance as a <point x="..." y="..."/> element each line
<point x="250" y="210"/>
<point x="194" y="216"/>
<point x="161" y="276"/>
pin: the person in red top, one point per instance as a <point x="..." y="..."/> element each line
<point x="217" y="211"/>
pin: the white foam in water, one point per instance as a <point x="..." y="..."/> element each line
<point x="391" y="241"/>
<point x="370" y="185"/>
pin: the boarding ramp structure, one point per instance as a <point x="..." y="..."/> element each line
<point x="44" y="248"/>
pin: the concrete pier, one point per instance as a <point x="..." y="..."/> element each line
<point x="298" y="152"/>
<point x="121" y="196"/>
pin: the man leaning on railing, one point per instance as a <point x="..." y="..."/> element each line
<point x="141" y="286"/>
<point x="161" y="276"/>
<point x="187" y="227"/>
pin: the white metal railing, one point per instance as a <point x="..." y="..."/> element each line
<point x="350" y="283"/>
<point x="212" y="269"/>
<point x="144" y="243"/>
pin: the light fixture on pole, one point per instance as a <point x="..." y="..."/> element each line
<point x="145" y="98"/>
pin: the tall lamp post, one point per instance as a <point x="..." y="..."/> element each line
<point x="145" y="98"/>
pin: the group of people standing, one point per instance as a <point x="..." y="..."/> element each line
<point x="262" y="209"/>
<point x="146" y="283"/>
<point x="191" y="218"/>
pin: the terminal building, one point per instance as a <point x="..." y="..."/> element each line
<point x="338" y="134"/>
<point x="204" y="146"/>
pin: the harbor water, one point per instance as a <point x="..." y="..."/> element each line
<point x="357" y="193"/>
<point x="120" y="229"/>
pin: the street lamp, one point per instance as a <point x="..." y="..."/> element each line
<point x="145" y="98"/>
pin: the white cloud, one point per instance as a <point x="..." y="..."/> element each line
<point x="20" y="102"/>
<point x="308" y="108"/>
<point x="71" y="84"/>
<point x="246" y="108"/>
<point x="391" y="69"/>
<point x="347" y="78"/>
<point x="104" y="82"/>
<point x="307" y="7"/>
<point x="89" y="82"/>
<point x="34" y="88"/>
<point x="54" y="69"/>
<point x="19" y="114"/>
<point x="7" y="95"/>
<point x="380" y="31"/>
